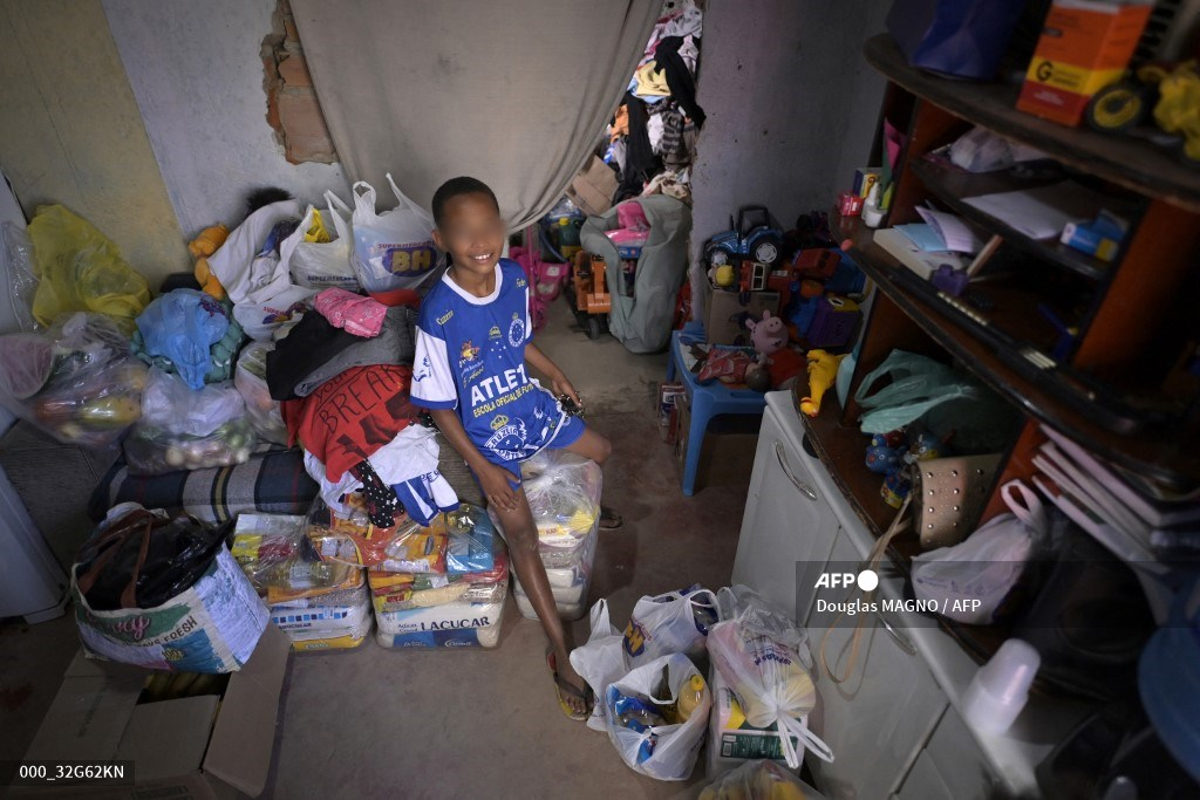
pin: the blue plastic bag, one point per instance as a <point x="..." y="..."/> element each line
<point x="183" y="325"/>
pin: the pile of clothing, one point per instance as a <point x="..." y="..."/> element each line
<point x="319" y="603"/>
<point x="652" y="139"/>
<point x="442" y="586"/>
<point x="563" y="490"/>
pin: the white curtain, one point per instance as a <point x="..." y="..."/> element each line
<point x="515" y="94"/>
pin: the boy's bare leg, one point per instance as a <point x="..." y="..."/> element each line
<point x="520" y="532"/>
<point x="596" y="447"/>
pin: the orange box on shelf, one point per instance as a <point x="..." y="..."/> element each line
<point x="1085" y="45"/>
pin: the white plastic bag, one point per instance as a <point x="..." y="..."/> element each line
<point x="770" y="680"/>
<point x="321" y="265"/>
<point x="674" y="747"/>
<point x="600" y="661"/>
<point x="169" y="403"/>
<point x="246" y="277"/>
<point x="392" y="250"/>
<point x="668" y="624"/>
<point x="250" y="378"/>
<point x="970" y="580"/>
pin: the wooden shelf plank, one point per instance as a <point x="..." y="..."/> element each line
<point x="1160" y="456"/>
<point x="952" y="186"/>
<point x="1123" y="160"/>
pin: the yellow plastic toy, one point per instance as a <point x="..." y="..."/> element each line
<point x="725" y="276"/>
<point x="204" y="245"/>
<point x="1178" y="107"/>
<point x="822" y="372"/>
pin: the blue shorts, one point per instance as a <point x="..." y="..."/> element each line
<point x="564" y="435"/>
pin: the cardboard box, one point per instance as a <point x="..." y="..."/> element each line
<point x="593" y="189"/>
<point x="723" y="310"/>
<point x="727" y="452"/>
<point x="1084" y="46"/>
<point x="199" y="748"/>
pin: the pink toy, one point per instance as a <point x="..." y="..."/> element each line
<point x="768" y="335"/>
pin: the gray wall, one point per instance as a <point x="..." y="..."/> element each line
<point x="197" y="76"/>
<point x="792" y="106"/>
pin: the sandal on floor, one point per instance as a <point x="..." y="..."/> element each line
<point x="561" y="685"/>
<point x="609" y="519"/>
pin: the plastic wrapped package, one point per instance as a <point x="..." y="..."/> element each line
<point x="455" y="624"/>
<point x="250" y="378"/>
<point x="759" y="779"/>
<point x="184" y="326"/>
<point x="424" y="591"/>
<point x="80" y="269"/>
<point x="563" y="490"/>
<point x="78" y="381"/>
<point x="404" y="547"/>
<point x="320" y="605"/>
<point x="170" y="404"/>
<point x="154" y="451"/>
<point x="570" y="580"/>
<point x="283" y="565"/>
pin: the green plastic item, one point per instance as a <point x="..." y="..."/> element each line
<point x="952" y="406"/>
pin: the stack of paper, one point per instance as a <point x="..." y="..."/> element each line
<point x="1040" y="213"/>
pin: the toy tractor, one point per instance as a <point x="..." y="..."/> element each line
<point x="753" y="238"/>
<point x="1171" y="95"/>
<point x="589" y="294"/>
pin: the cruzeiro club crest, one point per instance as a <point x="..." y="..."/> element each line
<point x="516" y="330"/>
<point x="509" y="438"/>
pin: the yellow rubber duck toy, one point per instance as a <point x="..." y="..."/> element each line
<point x="822" y="372"/>
<point x="204" y="245"/>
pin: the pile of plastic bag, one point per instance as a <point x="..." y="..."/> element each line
<point x="321" y="604"/>
<point x="78" y="381"/>
<point x="563" y="490"/>
<point x="754" y="705"/>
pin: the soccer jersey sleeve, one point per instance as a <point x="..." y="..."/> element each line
<point x="433" y="382"/>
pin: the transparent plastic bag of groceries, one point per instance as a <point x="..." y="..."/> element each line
<point x="250" y="378"/>
<point x="151" y="450"/>
<point x="283" y="565"/>
<point x="169" y="403"/>
<point x="77" y="381"/>
<point x="563" y="490"/>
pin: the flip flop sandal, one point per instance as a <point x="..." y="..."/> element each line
<point x="561" y="685"/>
<point x="609" y="519"/>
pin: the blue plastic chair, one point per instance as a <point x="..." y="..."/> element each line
<point x="707" y="400"/>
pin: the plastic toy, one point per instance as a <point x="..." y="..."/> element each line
<point x="723" y="277"/>
<point x="882" y="457"/>
<point x="754" y="237"/>
<point x="895" y="488"/>
<point x="950" y="280"/>
<point x="768" y="335"/>
<point x="758" y="378"/>
<point x="592" y="300"/>
<point x="753" y="277"/>
<point x="822" y="372"/>
<point x="1172" y="93"/>
<point x="816" y="263"/>
<point x="834" y="322"/>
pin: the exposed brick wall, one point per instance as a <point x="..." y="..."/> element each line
<point x="293" y="110"/>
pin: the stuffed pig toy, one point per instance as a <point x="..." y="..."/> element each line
<point x="770" y="338"/>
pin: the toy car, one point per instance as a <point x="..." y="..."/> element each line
<point x="754" y="238"/>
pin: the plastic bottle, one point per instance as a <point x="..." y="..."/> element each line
<point x="690" y="698"/>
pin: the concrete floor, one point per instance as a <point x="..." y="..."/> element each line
<point x="471" y="723"/>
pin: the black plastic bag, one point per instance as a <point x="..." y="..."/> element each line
<point x="144" y="558"/>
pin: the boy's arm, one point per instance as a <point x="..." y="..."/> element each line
<point x="494" y="480"/>
<point x="558" y="381"/>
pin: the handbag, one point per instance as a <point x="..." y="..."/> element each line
<point x="951" y="495"/>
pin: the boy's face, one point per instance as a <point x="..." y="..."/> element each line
<point x="472" y="232"/>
